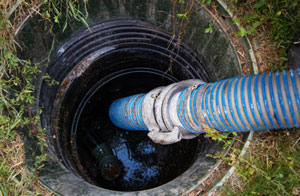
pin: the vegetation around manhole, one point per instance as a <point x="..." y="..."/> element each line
<point x="271" y="168"/>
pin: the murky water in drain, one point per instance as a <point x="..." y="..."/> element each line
<point x="144" y="164"/>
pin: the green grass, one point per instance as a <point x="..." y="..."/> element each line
<point x="271" y="167"/>
<point x="16" y="97"/>
<point x="16" y="93"/>
<point x="274" y="20"/>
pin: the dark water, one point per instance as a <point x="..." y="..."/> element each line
<point x="144" y="164"/>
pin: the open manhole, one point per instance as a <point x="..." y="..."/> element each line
<point x="143" y="164"/>
<point x="128" y="49"/>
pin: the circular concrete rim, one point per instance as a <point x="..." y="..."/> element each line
<point x="250" y="136"/>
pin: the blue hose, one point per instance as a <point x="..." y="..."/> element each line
<point x="242" y="104"/>
<point x="126" y="113"/>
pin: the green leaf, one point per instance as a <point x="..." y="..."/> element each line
<point x="3" y="191"/>
<point x="56" y="19"/>
<point x="206" y="2"/>
<point x="251" y="17"/>
<point x="84" y="22"/>
<point x="235" y="20"/>
<point x="242" y="32"/>
<point x="209" y="29"/>
<point x="55" y="9"/>
<point x="278" y="13"/>
<point x="251" y="171"/>
<point x="182" y="16"/>
<point x="72" y="7"/>
<point x="2" y="40"/>
<point x="65" y="26"/>
<point x="254" y="26"/>
<point x="284" y="58"/>
<point x="259" y="4"/>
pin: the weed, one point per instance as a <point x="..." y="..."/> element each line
<point x="209" y="29"/>
<point x="270" y="168"/>
<point x="16" y="93"/>
<point x="272" y="164"/>
<point x="275" y="20"/>
<point x="182" y="16"/>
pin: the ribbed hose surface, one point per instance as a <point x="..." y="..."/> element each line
<point x="126" y="113"/>
<point x="255" y="102"/>
<point x="245" y="103"/>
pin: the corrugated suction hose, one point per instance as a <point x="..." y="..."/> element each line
<point x="185" y="109"/>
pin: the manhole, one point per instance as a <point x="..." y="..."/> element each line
<point x="126" y="51"/>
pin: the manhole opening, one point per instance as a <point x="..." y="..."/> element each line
<point x="143" y="163"/>
<point x="116" y="59"/>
